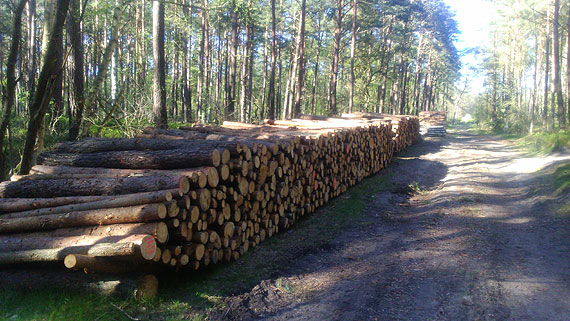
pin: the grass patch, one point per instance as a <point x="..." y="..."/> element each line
<point x="561" y="180"/>
<point x="545" y="143"/>
<point x="190" y="295"/>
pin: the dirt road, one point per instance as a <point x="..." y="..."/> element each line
<point x="477" y="241"/>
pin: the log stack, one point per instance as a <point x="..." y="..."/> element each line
<point x="191" y="197"/>
<point x="433" y="123"/>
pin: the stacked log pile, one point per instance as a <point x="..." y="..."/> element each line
<point x="433" y="123"/>
<point x="191" y="197"/>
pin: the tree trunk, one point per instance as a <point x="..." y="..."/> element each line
<point x="271" y="95"/>
<point x="352" y="52"/>
<point x="32" y="48"/>
<point x="233" y="44"/>
<point x="249" y="89"/>
<point x="102" y="70"/>
<point x="159" y="79"/>
<point x="264" y="75"/>
<point x="316" y="72"/>
<point x="301" y="63"/>
<point x="76" y="37"/>
<point x="335" y="58"/>
<point x="9" y="96"/>
<point x="546" y="69"/>
<point x="203" y="61"/>
<point x="556" y="58"/>
<point x="49" y="73"/>
<point x="568" y="65"/>
<point x="244" y="74"/>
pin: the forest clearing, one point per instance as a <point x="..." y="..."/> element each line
<point x="284" y="160"/>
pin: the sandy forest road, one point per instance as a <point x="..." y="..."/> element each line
<point x="475" y="243"/>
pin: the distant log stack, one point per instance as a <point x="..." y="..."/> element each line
<point x="191" y="197"/>
<point x="433" y="123"/>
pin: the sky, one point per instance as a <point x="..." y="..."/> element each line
<point x="474" y="18"/>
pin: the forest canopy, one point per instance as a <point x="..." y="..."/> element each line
<point x="73" y="68"/>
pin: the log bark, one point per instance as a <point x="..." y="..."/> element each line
<point x="132" y="214"/>
<point x="158" y="230"/>
<point x="114" y="202"/>
<point x="207" y="153"/>
<point x="143" y="246"/>
<point x="30" y="241"/>
<point x="96" y="145"/>
<point x="8" y="205"/>
<point x="88" y="187"/>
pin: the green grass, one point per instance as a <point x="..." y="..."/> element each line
<point x="561" y="180"/>
<point x="188" y="295"/>
<point x="545" y="143"/>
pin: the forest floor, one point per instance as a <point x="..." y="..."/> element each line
<point x="486" y="235"/>
<point x="463" y="227"/>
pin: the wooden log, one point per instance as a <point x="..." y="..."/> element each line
<point x="30" y="241"/>
<point x="131" y="214"/>
<point x="45" y="172"/>
<point x="26" y="204"/>
<point x="104" y="186"/>
<point x="202" y="153"/>
<point x="109" y="202"/>
<point x="137" y="246"/>
<point x="194" y="250"/>
<point x="158" y="230"/>
<point x="96" y="145"/>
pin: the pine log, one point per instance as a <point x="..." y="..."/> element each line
<point x="131" y="214"/>
<point x="110" y="202"/>
<point x="25" y="204"/>
<point x="104" y="186"/>
<point x="204" y="153"/>
<point x="143" y="246"/>
<point x="97" y="145"/>
<point x="158" y="230"/>
<point x="30" y="241"/>
<point x="46" y="172"/>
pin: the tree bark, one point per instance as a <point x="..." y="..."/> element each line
<point x="49" y="73"/>
<point x="110" y="202"/>
<point x="98" y="145"/>
<point x="568" y="65"/>
<point x="205" y="153"/>
<point x="89" y="187"/>
<point x="9" y="96"/>
<point x="9" y="205"/>
<point x="106" y="216"/>
<point x="352" y="52"/>
<point x="159" y="79"/>
<point x="556" y="58"/>
<point x="202" y="94"/>
<point x="335" y="58"/>
<point x="138" y="245"/>
<point x="233" y="47"/>
<point x="76" y="38"/>
<point x="102" y="70"/>
<point x="546" y="69"/>
<point x="271" y="95"/>
<point x="301" y="63"/>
